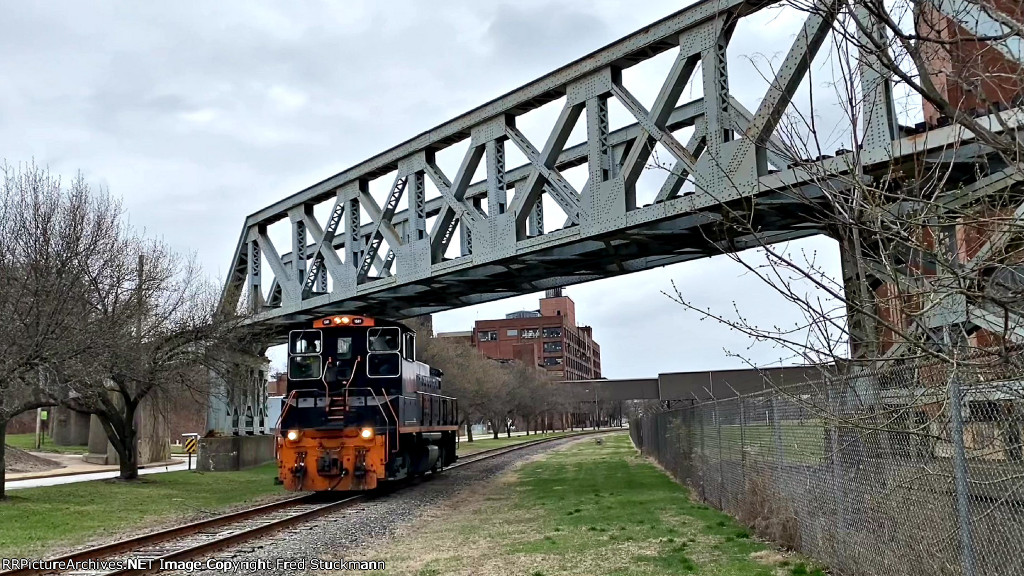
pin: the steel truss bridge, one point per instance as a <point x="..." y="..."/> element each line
<point x="487" y="237"/>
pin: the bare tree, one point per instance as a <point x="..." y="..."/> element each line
<point x="502" y="394"/>
<point x="157" y="328"/>
<point x="50" y="234"/>
<point x="463" y="370"/>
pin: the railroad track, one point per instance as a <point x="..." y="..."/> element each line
<point x="167" y="549"/>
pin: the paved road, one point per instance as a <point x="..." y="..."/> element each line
<point x="55" y="480"/>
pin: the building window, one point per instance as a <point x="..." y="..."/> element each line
<point x="552" y="346"/>
<point x="555" y="332"/>
<point x="488" y="335"/>
<point x="512" y="332"/>
<point x="531" y="333"/>
<point x="553" y="361"/>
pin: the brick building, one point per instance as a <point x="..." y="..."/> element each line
<point x="972" y="75"/>
<point x="548" y="337"/>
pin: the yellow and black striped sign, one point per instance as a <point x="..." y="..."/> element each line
<point x="191" y="444"/>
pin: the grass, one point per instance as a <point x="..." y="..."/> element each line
<point x="28" y="442"/>
<point x="596" y="509"/>
<point x="36" y="521"/>
<point x="800" y="443"/>
<point x="479" y="444"/>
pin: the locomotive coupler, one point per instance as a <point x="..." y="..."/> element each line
<point x="329" y="464"/>
<point x="359" y="468"/>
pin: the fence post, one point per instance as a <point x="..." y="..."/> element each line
<point x="703" y="455"/>
<point x="960" y="474"/>
<point x="721" y="475"/>
<point x="776" y="433"/>
<point x="743" y="443"/>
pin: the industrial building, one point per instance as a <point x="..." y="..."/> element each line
<point x="548" y="337"/>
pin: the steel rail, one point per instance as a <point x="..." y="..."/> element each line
<point x="226" y="530"/>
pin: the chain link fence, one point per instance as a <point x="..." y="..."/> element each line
<point x="918" y="471"/>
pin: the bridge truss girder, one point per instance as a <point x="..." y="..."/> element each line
<point x="395" y="266"/>
<point x="505" y="250"/>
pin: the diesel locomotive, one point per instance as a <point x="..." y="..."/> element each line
<point x="360" y="409"/>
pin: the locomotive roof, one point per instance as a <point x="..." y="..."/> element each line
<point x="377" y="322"/>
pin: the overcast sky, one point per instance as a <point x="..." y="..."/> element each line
<point x="198" y="114"/>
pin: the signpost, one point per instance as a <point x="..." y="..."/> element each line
<point x="41" y="416"/>
<point x="191" y="446"/>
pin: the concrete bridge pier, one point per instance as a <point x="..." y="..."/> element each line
<point x="239" y="432"/>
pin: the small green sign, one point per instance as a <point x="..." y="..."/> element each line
<point x="42" y="414"/>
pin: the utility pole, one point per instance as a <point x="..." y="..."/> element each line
<point x="138" y="297"/>
<point x="39" y="428"/>
<point x="39" y="415"/>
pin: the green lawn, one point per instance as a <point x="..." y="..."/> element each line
<point x="34" y="521"/>
<point x="595" y="509"/>
<point x="28" y="442"/>
<point x="479" y="444"/>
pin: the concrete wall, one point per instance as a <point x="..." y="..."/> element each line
<point x="100" y="449"/>
<point x="695" y="386"/>
<point x="226" y="453"/>
<point x="68" y="428"/>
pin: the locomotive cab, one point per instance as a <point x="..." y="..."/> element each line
<point x="360" y="409"/>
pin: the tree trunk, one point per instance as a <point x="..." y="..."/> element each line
<point x="124" y="438"/>
<point x="128" y="456"/>
<point x="469" y="432"/>
<point x="3" y="458"/>
<point x="494" y="428"/>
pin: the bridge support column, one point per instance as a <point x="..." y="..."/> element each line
<point x="238" y="396"/>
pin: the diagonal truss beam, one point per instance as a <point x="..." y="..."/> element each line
<point x="544" y="171"/>
<point x="382" y="225"/>
<point x="454" y="210"/>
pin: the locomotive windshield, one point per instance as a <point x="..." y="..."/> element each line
<point x="384" y="359"/>
<point x="340" y="363"/>
<point x="344" y="349"/>
<point x="304" y="368"/>
<point x="306" y="342"/>
<point x="304" y="348"/>
<point x="383" y="340"/>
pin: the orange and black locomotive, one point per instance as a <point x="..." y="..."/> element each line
<point x="360" y="409"/>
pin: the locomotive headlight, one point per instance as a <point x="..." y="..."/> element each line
<point x="366" y="433"/>
<point x="293" y="435"/>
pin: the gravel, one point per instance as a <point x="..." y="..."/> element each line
<point x="347" y="533"/>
